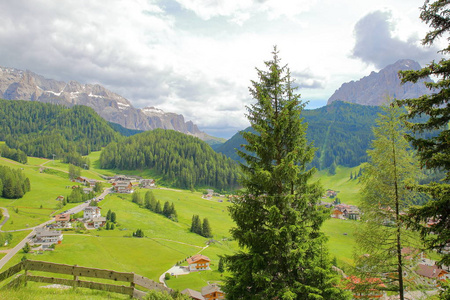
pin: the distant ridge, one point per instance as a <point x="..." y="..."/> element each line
<point x="377" y="87"/>
<point x="25" y="85"/>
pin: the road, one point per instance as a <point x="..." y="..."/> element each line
<point x="21" y="244"/>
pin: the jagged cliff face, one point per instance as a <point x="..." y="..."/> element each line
<point x="25" y="85"/>
<point x="377" y="87"/>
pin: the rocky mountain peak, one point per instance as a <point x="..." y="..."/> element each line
<point x="377" y="87"/>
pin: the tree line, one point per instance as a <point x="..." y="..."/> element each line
<point x="203" y="229"/>
<point x="149" y="202"/>
<point x="13" y="154"/>
<point x="183" y="161"/>
<point x="13" y="183"/>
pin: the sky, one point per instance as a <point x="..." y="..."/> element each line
<point x="198" y="57"/>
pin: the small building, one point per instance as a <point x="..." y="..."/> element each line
<point x="81" y="179"/>
<point x="63" y="221"/>
<point x="60" y="198"/>
<point x="337" y="214"/>
<point x="193" y="294"/>
<point x="432" y="274"/>
<point x="88" y="190"/>
<point x="123" y="187"/>
<point x="91" y="212"/>
<point x="212" y="292"/>
<point x="367" y="288"/>
<point x="198" y="262"/>
<point x="99" y="222"/>
<point x="147" y="183"/>
<point x="47" y="237"/>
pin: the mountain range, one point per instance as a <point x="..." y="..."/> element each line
<point x="377" y="87"/>
<point x="25" y="85"/>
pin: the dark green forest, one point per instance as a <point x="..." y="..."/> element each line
<point x="42" y="129"/>
<point x="183" y="161"/>
<point x="341" y="133"/>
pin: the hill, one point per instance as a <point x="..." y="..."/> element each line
<point x="183" y="161"/>
<point x="47" y="130"/>
<point x="341" y="132"/>
<point x="375" y="88"/>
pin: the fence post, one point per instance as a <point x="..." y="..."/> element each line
<point x="25" y="267"/>
<point x="75" y="277"/>
<point x="133" y="285"/>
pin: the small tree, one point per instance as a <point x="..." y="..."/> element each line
<point x="113" y="217"/>
<point x="166" y="209"/>
<point x="196" y="226"/>
<point x="136" y="198"/>
<point x="98" y="187"/>
<point x="220" y="267"/>
<point x="158" y="209"/>
<point x="74" y="172"/>
<point x="26" y="248"/>
<point x="108" y="215"/>
<point x="206" y="228"/>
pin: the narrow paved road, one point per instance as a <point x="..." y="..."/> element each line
<point x="21" y="244"/>
<point x="5" y="216"/>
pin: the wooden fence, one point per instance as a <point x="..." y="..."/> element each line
<point x="76" y="271"/>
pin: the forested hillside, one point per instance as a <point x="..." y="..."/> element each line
<point x="183" y="161"/>
<point x="341" y="132"/>
<point x="44" y="130"/>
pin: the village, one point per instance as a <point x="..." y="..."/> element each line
<point x="421" y="268"/>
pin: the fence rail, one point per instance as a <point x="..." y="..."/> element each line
<point x="77" y="271"/>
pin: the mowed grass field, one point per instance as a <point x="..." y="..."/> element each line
<point x="166" y="242"/>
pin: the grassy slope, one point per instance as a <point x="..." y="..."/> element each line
<point x="348" y="189"/>
<point x="166" y="242"/>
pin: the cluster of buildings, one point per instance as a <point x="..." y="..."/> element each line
<point x="46" y="237"/>
<point x="419" y="269"/>
<point x="345" y="212"/>
<point x="125" y="185"/>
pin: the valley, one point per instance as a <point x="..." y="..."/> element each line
<point x="165" y="243"/>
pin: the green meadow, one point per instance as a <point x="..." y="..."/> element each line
<point x="348" y="189"/>
<point x="166" y="243"/>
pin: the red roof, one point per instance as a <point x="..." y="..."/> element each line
<point x="355" y="281"/>
<point x="429" y="271"/>
<point x="196" y="258"/>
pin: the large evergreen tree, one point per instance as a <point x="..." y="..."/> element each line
<point x="382" y="235"/>
<point x="277" y="218"/>
<point x="434" y="152"/>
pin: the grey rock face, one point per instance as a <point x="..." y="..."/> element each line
<point x="25" y="85"/>
<point x="376" y="88"/>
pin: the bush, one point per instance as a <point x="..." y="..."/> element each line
<point x="166" y="276"/>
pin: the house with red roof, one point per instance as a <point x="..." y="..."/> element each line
<point x="198" y="262"/>
<point x="193" y="294"/>
<point x="432" y="274"/>
<point x="212" y="292"/>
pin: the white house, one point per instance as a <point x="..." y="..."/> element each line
<point x="91" y="212"/>
<point x="47" y="237"/>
